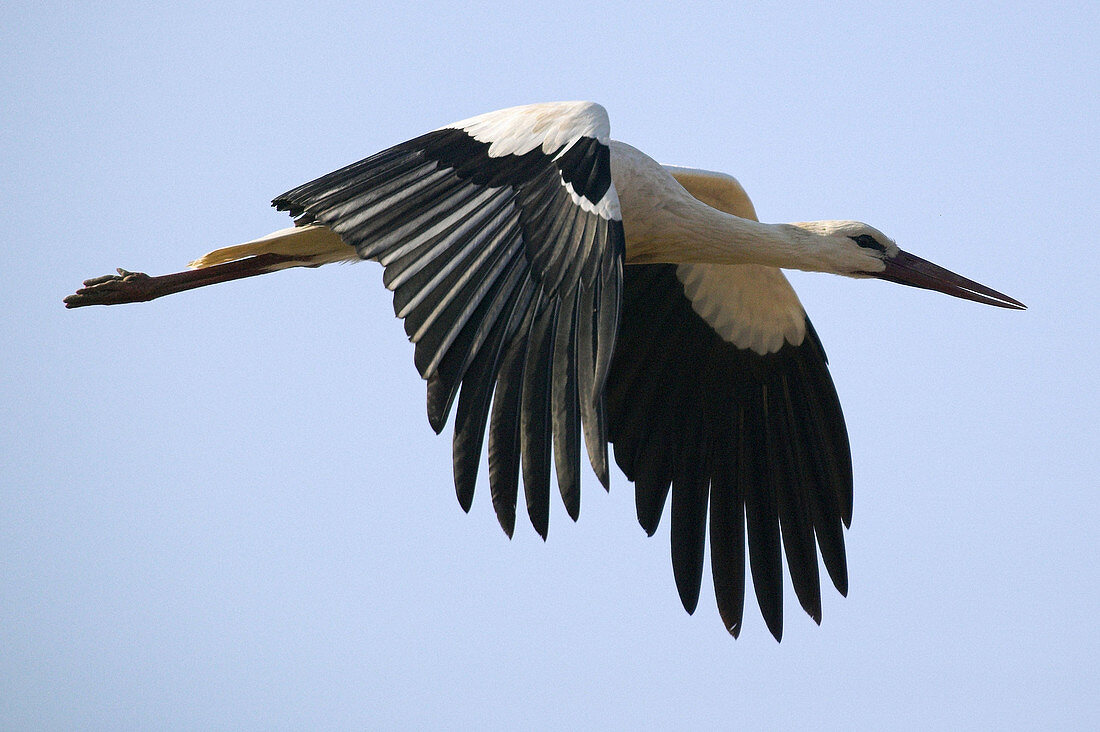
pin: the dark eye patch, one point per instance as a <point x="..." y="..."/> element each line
<point x="868" y="242"/>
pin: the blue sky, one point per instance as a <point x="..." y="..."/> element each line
<point x="225" y="509"/>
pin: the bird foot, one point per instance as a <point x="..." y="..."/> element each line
<point x="110" y="289"/>
<point x="140" y="287"/>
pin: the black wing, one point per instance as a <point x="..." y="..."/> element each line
<point x="502" y="241"/>
<point x="757" y="436"/>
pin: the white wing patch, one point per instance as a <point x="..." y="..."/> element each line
<point x="607" y="207"/>
<point x="748" y="305"/>
<point x="552" y="125"/>
<point x="717" y="190"/>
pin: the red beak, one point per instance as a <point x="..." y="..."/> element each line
<point x="907" y="269"/>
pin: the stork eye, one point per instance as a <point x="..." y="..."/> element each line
<point x="868" y="242"/>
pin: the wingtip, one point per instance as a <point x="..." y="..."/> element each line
<point x="540" y="518"/>
<point x="814" y="610"/>
<point x="437" y="419"/>
<point x="689" y="598"/>
<point x="465" y="499"/>
<point x="604" y="475"/>
<point x="840" y="582"/>
<point x="508" y="525"/>
<point x="775" y="624"/>
<point x="465" y="479"/>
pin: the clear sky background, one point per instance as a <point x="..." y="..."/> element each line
<point x="225" y="509"/>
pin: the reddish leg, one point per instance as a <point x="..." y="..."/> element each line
<point x="140" y="287"/>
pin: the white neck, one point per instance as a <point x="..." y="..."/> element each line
<point x="664" y="223"/>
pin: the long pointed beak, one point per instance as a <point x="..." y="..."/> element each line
<point x="908" y="269"/>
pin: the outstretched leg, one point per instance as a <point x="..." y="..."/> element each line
<point x="140" y="287"/>
<point x="299" y="246"/>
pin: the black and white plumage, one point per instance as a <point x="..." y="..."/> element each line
<point x="564" y="287"/>
<point x="505" y="257"/>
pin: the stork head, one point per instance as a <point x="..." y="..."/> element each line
<point x="860" y="250"/>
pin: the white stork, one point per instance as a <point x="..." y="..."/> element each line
<point x="504" y="238"/>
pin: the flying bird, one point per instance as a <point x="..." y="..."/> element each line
<point x="565" y="288"/>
